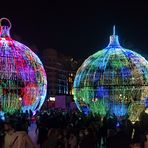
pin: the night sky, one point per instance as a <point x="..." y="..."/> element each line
<point x="78" y="28"/>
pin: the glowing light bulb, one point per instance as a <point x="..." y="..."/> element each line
<point x="20" y="99"/>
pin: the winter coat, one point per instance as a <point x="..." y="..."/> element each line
<point x="20" y="139"/>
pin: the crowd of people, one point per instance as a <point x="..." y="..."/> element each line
<point x="57" y="128"/>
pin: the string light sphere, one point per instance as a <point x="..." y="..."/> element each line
<point x="23" y="82"/>
<point x="112" y="80"/>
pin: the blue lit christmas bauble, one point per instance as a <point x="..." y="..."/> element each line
<point x="112" y="80"/>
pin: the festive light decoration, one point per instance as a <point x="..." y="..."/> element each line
<point x="23" y="80"/>
<point x="112" y="80"/>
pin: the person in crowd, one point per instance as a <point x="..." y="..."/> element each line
<point x="52" y="140"/>
<point x="21" y="140"/>
<point x="81" y="141"/>
<point x="20" y="137"/>
<point x="103" y="129"/>
<point x="1" y="132"/>
<point x="72" y="140"/>
<point x="87" y="139"/>
<point x="118" y="140"/>
<point x="15" y="136"/>
<point x="66" y="137"/>
<point x="71" y="129"/>
<point x="9" y="132"/>
<point x="127" y="127"/>
<point x="42" y="133"/>
<point x="60" y="138"/>
<point x="97" y="129"/>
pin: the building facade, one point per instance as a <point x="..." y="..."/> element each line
<point x="60" y="70"/>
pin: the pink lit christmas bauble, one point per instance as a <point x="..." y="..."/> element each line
<point x="23" y="82"/>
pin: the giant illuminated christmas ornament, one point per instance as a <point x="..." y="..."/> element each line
<point x="112" y="80"/>
<point x="23" y="80"/>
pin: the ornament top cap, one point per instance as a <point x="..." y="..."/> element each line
<point x="114" y="42"/>
<point x="4" y="29"/>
